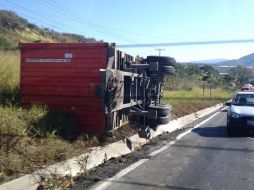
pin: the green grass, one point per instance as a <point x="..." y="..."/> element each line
<point x="185" y="102"/>
<point x="9" y="78"/>
<point x="29" y="35"/>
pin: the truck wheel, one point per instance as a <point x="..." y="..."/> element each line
<point x="162" y="110"/>
<point x="162" y="60"/>
<point x="163" y="120"/>
<point x="168" y="70"/>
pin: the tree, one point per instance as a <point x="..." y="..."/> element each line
<point x="242" y="75"/>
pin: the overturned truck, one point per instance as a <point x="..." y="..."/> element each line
<point x="100" y="86"/>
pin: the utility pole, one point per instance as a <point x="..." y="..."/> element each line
<point x="193" y="79"/>
<point x="159" y="50"/>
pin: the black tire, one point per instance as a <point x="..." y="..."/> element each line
<point x="163" y="120"/>
<point x="168" y="70"/>
<point x="162" y="110"/>
<point x="153" y="123"/>
<point x="162" y="60"/>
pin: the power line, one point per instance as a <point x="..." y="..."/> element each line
<point x="24" y="15"/>
<point x="37" y="14"/>
<point x="81" y="20"/>
<point x="56" y="10"/>
<point x="102" y="29"/>
<point x="47" y="19"/>
<point x="90" y="25"/>
<point x="88" y="21"/>
<point x="46" y="23"/>
<point x="11" y="30"/>
<point x="186" y="43"/>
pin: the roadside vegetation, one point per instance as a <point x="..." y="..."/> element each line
<point x="195" y="87"/>
<point x="185" y="102"/>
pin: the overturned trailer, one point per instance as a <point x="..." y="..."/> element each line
<point x="99" y="85"/>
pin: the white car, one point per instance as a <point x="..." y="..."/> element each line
<point x="240" y="116"/>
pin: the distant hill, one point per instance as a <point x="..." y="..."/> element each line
<point x="209" y="61"/>
<point x="15" y="29"/>
<point x="247" y="61"/>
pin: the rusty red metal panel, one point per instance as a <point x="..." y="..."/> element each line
<point x="65" y="76"/>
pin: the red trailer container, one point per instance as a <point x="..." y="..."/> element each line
<point x="96" y="83"/>
<point x="66" y="77"/>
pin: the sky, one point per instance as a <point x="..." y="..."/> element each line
<point x="150" y="21"/>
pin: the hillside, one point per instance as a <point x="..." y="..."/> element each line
<point x="247" y="61"/>
<point x="208" y="61"/>
<point x="15" y="29"/>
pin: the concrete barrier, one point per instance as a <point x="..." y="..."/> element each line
<point x="98" y="155"/>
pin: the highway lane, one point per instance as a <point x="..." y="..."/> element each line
<point x="206" y="158"/>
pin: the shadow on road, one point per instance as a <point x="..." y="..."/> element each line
<point x="220" y="131"/>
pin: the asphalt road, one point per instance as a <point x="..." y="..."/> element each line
<point x="206" y="158"/>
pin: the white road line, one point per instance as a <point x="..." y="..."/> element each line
<point x="108" y="182"/>
<point x="111" y="180"/>
<point x="182" y="135"/>
<point x="198" y="125"/>
<point x="154" y="153"/>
